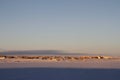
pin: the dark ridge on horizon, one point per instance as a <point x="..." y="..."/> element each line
<point x="47" y="52"/>
<point x="40" y="52"/>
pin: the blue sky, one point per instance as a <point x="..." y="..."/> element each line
<point x="84" y="26"/>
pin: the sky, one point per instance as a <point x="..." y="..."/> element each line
<point x="82" y="26"/>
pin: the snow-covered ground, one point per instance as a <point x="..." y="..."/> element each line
<point x="88" y="63"/>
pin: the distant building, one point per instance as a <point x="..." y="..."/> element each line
<point x="2" y="57"/>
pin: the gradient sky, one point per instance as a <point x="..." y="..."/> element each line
<point x="84" y="26"/>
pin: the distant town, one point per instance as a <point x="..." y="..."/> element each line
<point x="56" y="58"/>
